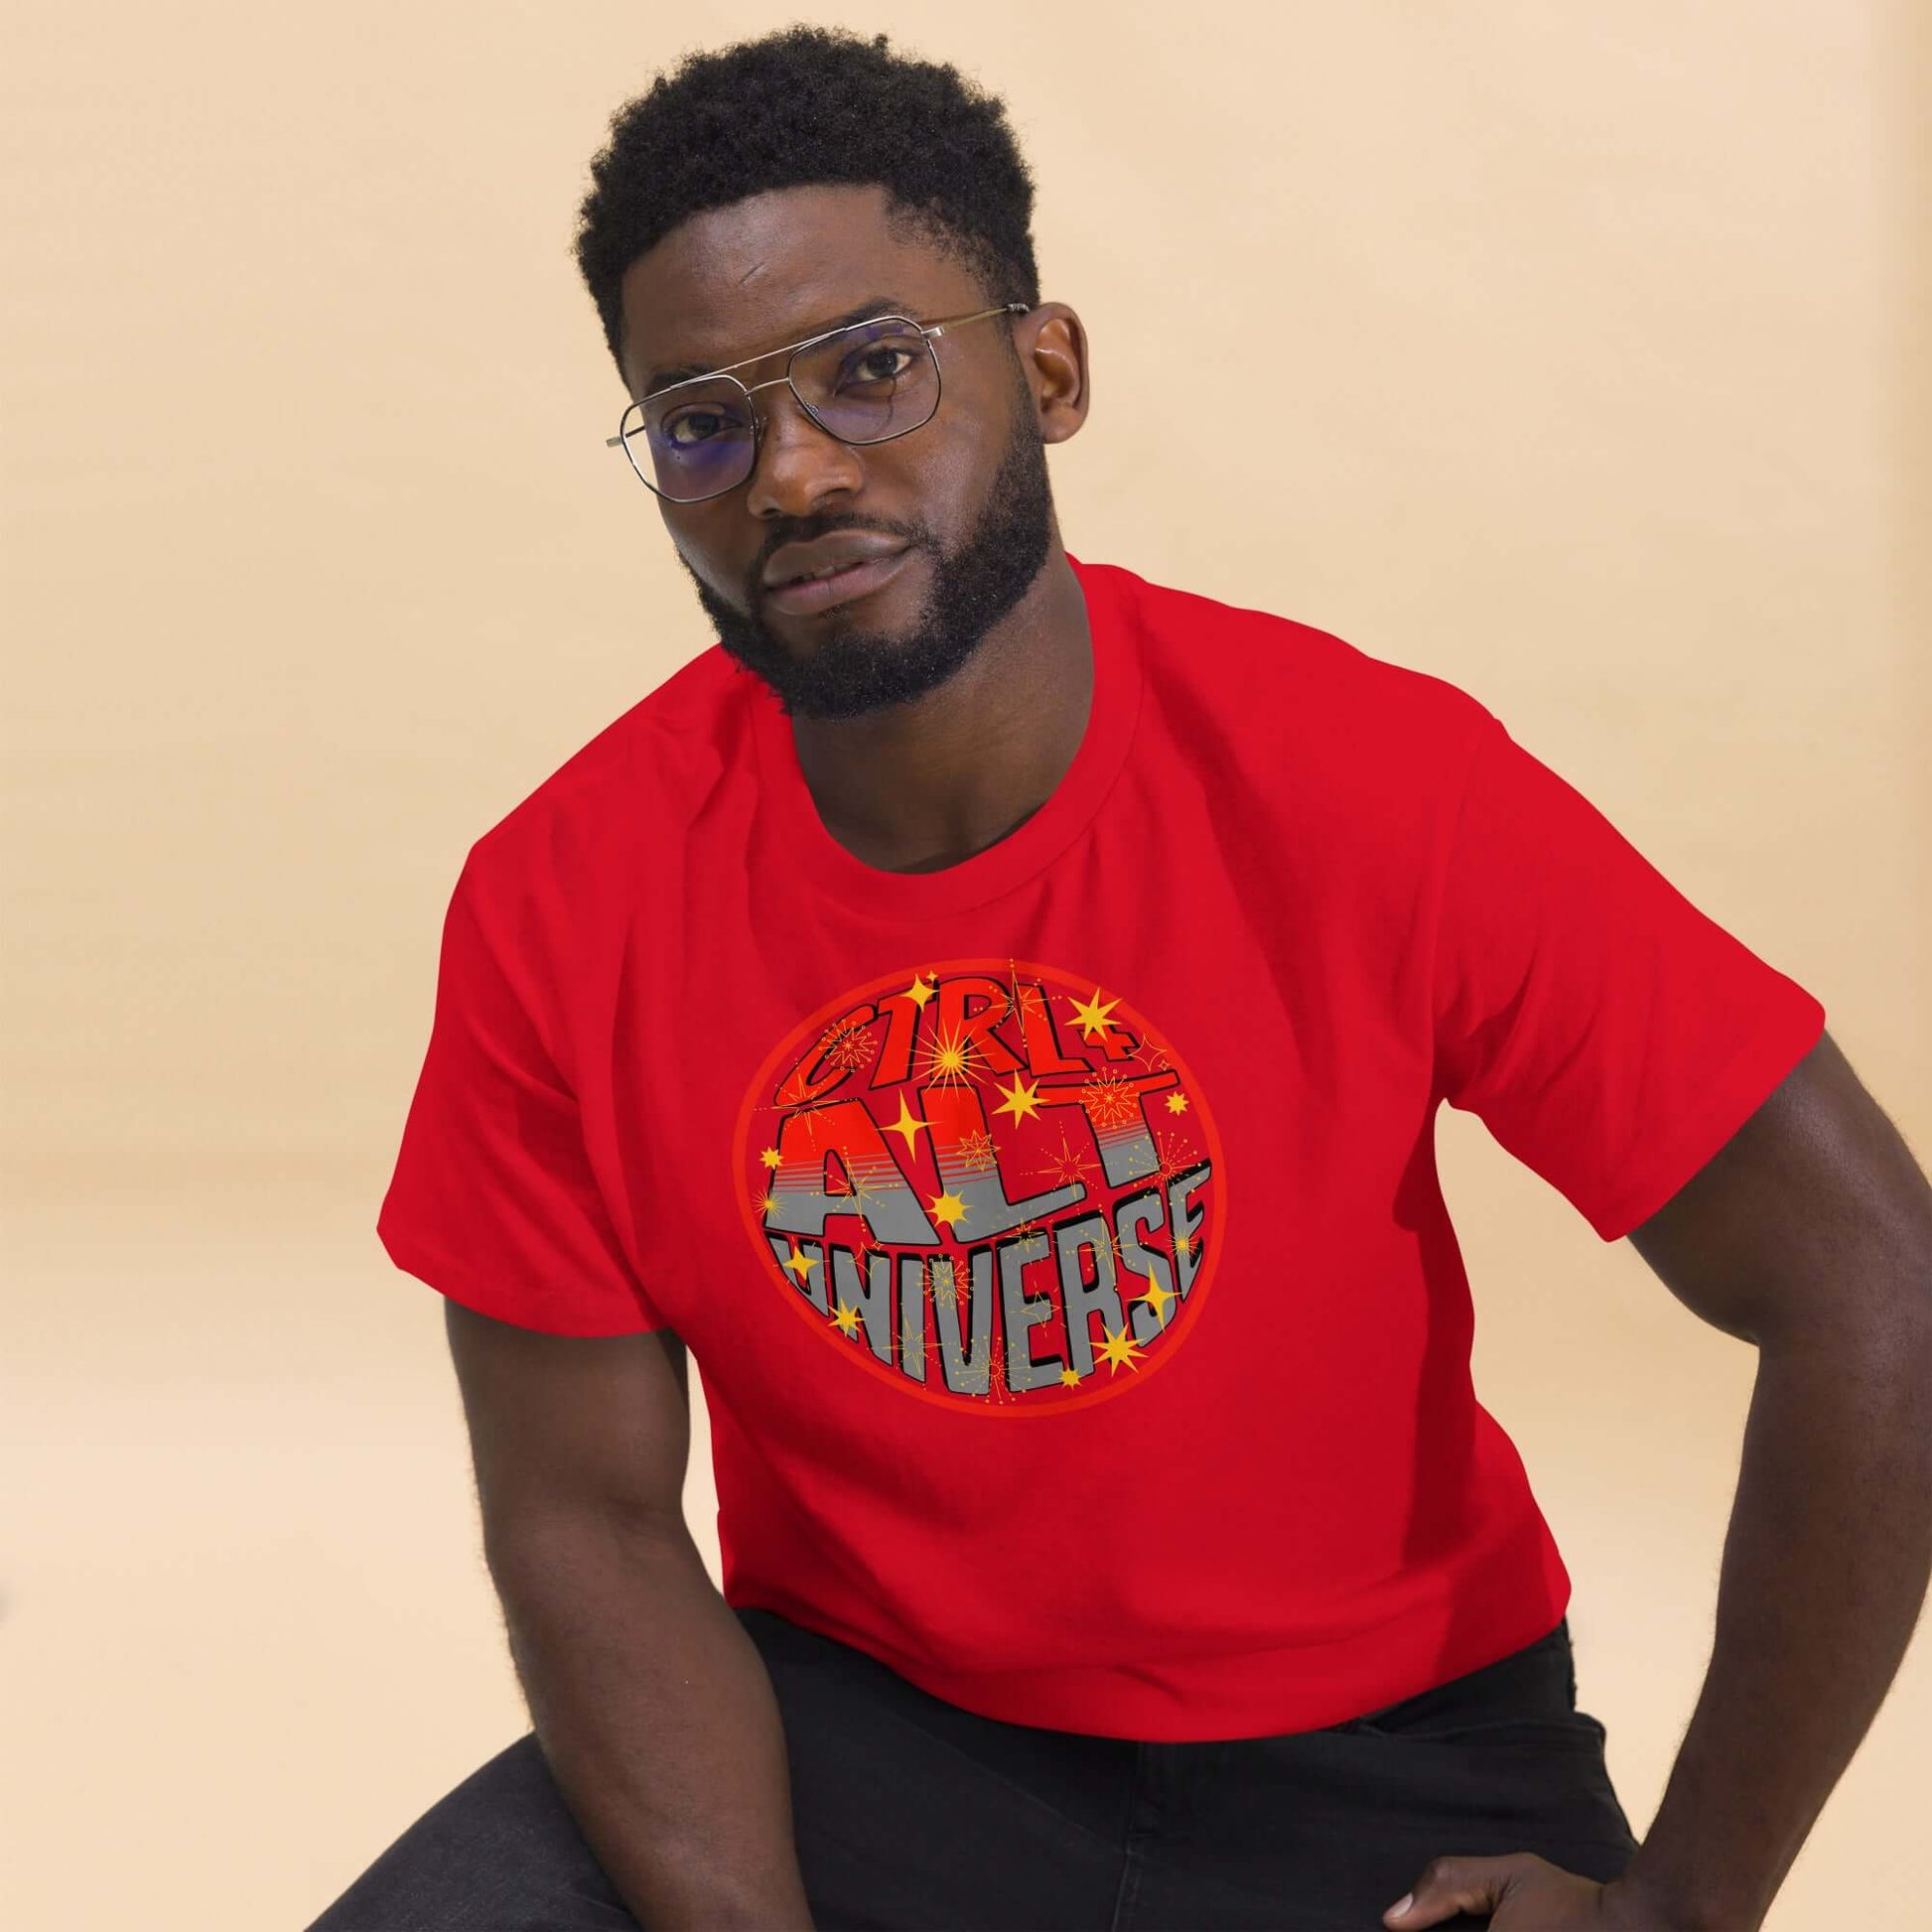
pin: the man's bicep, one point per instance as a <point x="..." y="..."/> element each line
<point x="562" y="1426"/>
<point x="1812" y="1221"/>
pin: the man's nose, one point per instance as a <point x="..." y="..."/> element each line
<point x="799" y="465"/>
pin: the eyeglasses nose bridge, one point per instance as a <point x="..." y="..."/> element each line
<point x="761" y="418"/>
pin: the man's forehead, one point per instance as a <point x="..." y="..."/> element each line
<point x="739" y="281"/>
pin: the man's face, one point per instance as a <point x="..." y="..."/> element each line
<point x="963" y="499"/>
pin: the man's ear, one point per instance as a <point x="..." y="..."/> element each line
<point x="1053" y="347"/>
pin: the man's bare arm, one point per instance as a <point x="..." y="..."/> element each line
<point x="1809" y="1235"/>
<point x="652" y="1706"/>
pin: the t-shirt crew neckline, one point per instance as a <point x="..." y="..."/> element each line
<point x="799" y="834"/>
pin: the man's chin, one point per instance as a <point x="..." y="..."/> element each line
<point x="849" y="674"/>
<point x="846" y="671"/>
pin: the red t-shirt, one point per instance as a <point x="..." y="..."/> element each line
<point x="1058" y="1234"/>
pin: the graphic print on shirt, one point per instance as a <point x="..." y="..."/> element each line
<point x="990" y="1182"/>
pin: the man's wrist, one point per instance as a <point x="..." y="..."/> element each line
<point x="1648" y="1898"/>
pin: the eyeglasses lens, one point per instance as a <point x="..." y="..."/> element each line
<point x="865" y="384"/>
<point x="870" y="382"/>
<point x="694" y="441"/>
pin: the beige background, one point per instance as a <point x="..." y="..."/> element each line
<point x="1588" y="349"/>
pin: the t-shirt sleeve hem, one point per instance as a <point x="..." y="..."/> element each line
<point x="1745" y="1084"/>
<point x="486" y="1296"/>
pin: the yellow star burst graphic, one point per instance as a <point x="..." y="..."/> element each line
<point x="1070" y="1378"/>
<point x="846" y="1317"/>
<point x="919" y="991"/>
<point x="769" y="1156"/>
<point x="1022" y="1099"/>
<point x="800" y="1264"/>
<point x="947" y="1060"/>
<point x="1091" y="1015"/>
<point x="948" y="1208"/>
<point x="1117" y="1349"/>
<point x="1176" y="1103"/>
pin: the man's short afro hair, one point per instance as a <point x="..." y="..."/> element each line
<point x="799" y="107"/>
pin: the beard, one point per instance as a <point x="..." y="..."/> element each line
<point x="850" y="669"/>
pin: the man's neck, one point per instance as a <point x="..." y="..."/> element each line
<point x="920" y="786"/>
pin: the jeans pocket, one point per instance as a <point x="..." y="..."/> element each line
<point x="1578" y="1731"/>
<point x="1568" y="1731"/>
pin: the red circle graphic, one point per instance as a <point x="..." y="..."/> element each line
<point x="992" y="1183"/>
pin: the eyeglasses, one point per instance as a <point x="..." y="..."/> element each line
<point x="866" y="382"/>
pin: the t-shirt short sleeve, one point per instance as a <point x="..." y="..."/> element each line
<point x="493" y="1201"/>
<point x="1609" y="1034"/>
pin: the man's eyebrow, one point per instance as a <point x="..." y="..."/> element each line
<point x="879" y="305"/>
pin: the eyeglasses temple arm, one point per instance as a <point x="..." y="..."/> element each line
<point x="960" y="321"/>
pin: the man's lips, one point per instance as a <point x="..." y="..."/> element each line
<point x="808" y="596"/>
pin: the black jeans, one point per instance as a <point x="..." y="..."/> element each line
<point x="911" y="1813"/>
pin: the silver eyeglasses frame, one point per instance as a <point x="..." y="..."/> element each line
<point x="930" y="329"/>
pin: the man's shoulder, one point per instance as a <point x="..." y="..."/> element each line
<point x="1237" y="649"/>
<point x="1284" y="684"/>
<point x="636" y="779"/>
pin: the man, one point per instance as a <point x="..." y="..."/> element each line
<point x="1000" y="1036"/>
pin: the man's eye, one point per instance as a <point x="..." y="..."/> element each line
<point x="694" y="426"/>
<point x="886" y="364"/>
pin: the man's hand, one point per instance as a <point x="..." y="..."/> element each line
<point x="1525" y="1894"/>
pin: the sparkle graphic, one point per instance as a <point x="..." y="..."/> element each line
<point x="1109" y="1100"/>
<point x="850" y="1048"/>
<point x="846" y="1317"/>
<point x="862" y="1191"/>
<point x="1176" y="1103"/>
<point x="1171" y="1159"/>
<point x="1067" y="1165"/>
<point x="1160" y="1296"/>
<point x="908" y="1127"/>
<point x="976" y="1153"/>
<point x="800" y="1264"/>
<point x="996" y="1379"/>
<point x="919" y="991"/>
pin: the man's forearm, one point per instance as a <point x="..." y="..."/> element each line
<point x="656" y="1716"/>
<point x="1825" y="1570"/>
